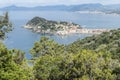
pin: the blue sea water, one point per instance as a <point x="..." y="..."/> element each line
<point x="24" y="39"/>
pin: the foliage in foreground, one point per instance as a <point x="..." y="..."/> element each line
<point x="84" y="65"/>
<point x="5" y="25"/>
<point x="108" y="41"/>
<point x="83" y="60"/>
<point x="13" y="65"/>
<point x="60" y="64"/>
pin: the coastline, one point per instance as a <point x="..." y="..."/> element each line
<point x="67" y="32"/>
<point x="97" y="12"/>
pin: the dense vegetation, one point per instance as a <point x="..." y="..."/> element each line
<point x="79" y="60"/>
<point x="92" y="58"/>
<point x="13" y="65"/>
<point x="108" y="41"/>
<point x="5" y="25"/>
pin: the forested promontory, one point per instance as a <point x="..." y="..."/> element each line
<point x="42" y="25"/>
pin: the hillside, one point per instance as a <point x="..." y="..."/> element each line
<point x="108" y="41"/>
<point x="92" y="58"/>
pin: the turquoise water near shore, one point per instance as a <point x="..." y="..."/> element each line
<point x="24" y="39"/>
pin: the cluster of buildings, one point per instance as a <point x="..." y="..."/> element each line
<point x="62" y="28"/>
<point x="91" y="31"/>
<point x="67" y="28"/>
<point x="75" y="29"/>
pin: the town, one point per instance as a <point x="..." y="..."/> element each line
<point x="41" y="25"/>
<point x="76" y="30"/>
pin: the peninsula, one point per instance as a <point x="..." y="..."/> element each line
<point x="41" y="25"/>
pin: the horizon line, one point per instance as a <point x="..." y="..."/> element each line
<point x="57" y="5"/>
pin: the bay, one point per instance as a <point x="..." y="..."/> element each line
<point x="24" y="39"/>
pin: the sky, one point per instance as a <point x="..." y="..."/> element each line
<point x="31" y="3"/>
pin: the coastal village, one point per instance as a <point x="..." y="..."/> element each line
<point x="76" y="30"/>
<point x="71" y="30"/>
<point x="41" y="25"/>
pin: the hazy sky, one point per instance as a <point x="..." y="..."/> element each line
<point x="53" y="2"/>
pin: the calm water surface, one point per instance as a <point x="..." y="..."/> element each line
<point x="24" y="39"/>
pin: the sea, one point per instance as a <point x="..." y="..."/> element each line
<point x="24" y="39"/>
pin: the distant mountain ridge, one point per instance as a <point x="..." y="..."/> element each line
<point x="63" y="7"/>
<point x="113" y="8"/>
<point x="57" y="7"/>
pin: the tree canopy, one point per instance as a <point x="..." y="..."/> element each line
<point x="5" y="25"/>
<point x="92" y="58"/>
<point x="61" y="63"/>
<point x="13" y="65"/>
